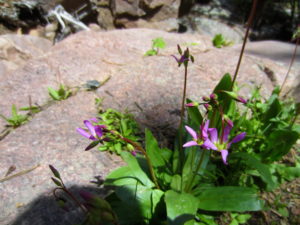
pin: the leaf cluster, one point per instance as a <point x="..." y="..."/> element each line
<point x="157" y="43"/>
<point x="188" y="198"/>
<point x="219" y="41"/>
<point x="16" y="118"/>
<point x="60" y="94"/>
<point x="124" y="124"/>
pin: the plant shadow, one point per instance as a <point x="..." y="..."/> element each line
<point x="44" y="210"/>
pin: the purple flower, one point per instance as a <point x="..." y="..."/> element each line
<point x="221" y="144"/>
<point x="95" y="131"/>
<point x="242" y="100"/>
<point x="180" y="60"/>
<point x="200" y="139"/>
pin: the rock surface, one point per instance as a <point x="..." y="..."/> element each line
<point x="150" y="87"/>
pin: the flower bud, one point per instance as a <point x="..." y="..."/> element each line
<point x="208" y="107"/>
<point x="213" y="96"/>
<point x="206" y="98"/>
<point x="179" y="49"/>
<point x="228" y="121"/>
<point x="242" y="100"/>
<point x="192" y="104"/>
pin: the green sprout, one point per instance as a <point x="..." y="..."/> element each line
<point x="157" y="43"/>
<point x="61" y="94"/>
<point x="16" y="119"/>
<point x="219" y="41"/>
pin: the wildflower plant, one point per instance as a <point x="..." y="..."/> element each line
<point x="16" y="118"/>
<point x="227" y="150"/>
<point x="61" y="94"/>
<point x="157" y="43"/>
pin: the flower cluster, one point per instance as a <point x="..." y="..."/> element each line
<point x="209" y="139"/>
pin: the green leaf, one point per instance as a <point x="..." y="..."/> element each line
<point x="153" y="150"/>
<point x="136" y="170"/>
<point x="229" y="198"/>
<point x="194" y="114"/>
<point x="273" y="110"/>
<point x="158" y="43"/>
<point x="53" y="94"/>
<point x="223" y="98"/>
<point x="14" y="111"/>
<point x="176" y="183"/>
<point x="263" y="169"/>
<point x="279" y="143"/>
<point x="137" y="195"/>
<point x="243" y="218"/>
<point x="283" y="212"/>
<point x="121" y="176"/>
<point x="160" y="159"/>
<point x="287" y="172"/>
<point x="179" y="204"/>
<point x="208" y="220"/>
<point x="234" y="222"/>
<point x="151" y="52"/>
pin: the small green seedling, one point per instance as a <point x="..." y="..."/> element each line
<point x="219" y="41"/>
<point x="16" y="119"/>
<point x="31" y="109"/>
<point x="157" y="43"/>
<point x="61" y="94"/>
<point x="239" y="218"/>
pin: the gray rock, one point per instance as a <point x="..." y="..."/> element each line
<point x="15" y="51"/>
<point x="211" y="27"/>
<point x="50" y="138"/>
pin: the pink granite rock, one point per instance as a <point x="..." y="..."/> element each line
<point x="149" y="87"/>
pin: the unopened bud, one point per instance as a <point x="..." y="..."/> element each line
<point x="208" y="107"/>
<point x="192" y="104"/>
<point x="133" y="153"/>
<point x="206" y="98"/>
<point x="228" y="121"/>
<point x="179" y="50"/>
<point x="242" y="100"/>
<point x="213" y="96"/>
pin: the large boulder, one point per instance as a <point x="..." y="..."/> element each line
<point x="149" y="87"/>
<point x="155" y="14"/>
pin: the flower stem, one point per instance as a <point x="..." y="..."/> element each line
<point x="291" y="64"/>
<point x="249" y="24"/>
<point x="190" y="184"/>
<point x="137" y="146"/>
<point x="71" y="196"/>
<point x="181" y="118"/>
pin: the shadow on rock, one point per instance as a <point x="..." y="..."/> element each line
<point x="45" y="210"/>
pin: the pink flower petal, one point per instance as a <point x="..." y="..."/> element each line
<point x="90" y="126"/>
<point x="226" y="133"/>
<point x="190" y="143"/>
<point x="83" y="132"/>
<point x="213" y="132"/>
<point x="191" y="132"/>
<point x="98" y="130"/>
<point x="209" y="145"/>
<point x="238" y="138"/>
<point x="224" y="154"/>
